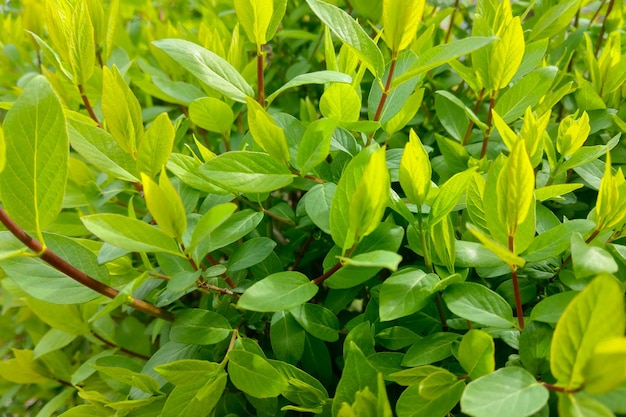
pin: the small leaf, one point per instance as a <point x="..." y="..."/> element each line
<point x="432" y="348"/>
<point x="507" y="54"/>
<point x="415" y="170"/>
<point x="280" y="291"/>
<point x="377" y="259"/>
<point x="211" y="114"/>
<point x="448" y="197"/>
<point x="186" y="371"/>
<point x="250" y="253"/>
<point x="340" y="102"/>
<point x="210" y="221"/>
<point x="81" y="44"/>
<point x="317" y="203"/>
<point x="317" y="321"/>
<point x="318" y="77"/>
<point x="590" y="260"/>
<point x="266" y="133"/>
<point x="400" y="21"/>
<point x="196" y="399"/>
<point x="315" y="144"/>
<point x="156" y="146"/>
<point x="255" y="17"/>
<point x="254" y="375"/>
<point x="493" y="394"/>
<point x="165" y="205"/>
<point x="500" y="251"/>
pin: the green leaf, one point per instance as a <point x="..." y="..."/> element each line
<point x="255" y="17"/>
<point x="404" y="293"/>
<point x="551" y="192"/>
<point x="251" y="252"/>
<point x="415" y="170"/>
<point x="230" y="230"/>
<point x="246" y="172"/>
<point x="53" y="339"/>
<point x="582" y="406"/>
<point x="500" y="251"/>
<point x="524" y="93"/>
<point x="211" y="114"/>
<point x="266" y="133"/>
<point x="3" y="150"/>
<point x="287" y="337"/>
<point x="436" y="384"/>
<point x="197" y="399"/>
<point x="207" y="67"/>
<point x="350" y="33"/>
<point x="432" y="348"/>
<point x="254" y="375"/>
<point x="448" y="197"/>
<point x="210" y="221"/>
<point x="493" y="394"/>
<point x="129" y="234"/>
<point x="156" y="146"/>
<point x="32" y="184"/>
<point x="377" y="259"/>
<point x="396" y="337"/>
<point x="556" y="240"/>
<point x="590" y="260"/>
<point x="121" y="111"/>
<point x="555" y="20"/>
<point x="606" y="369"/>
<point x="165" y="205"/>
<point x="318" y="77"/>
<point x="315" y="144"/>
<point x="595" y="315"/>
<point x="280" y="291"/>
<point x="478" y="303"/>
<point x="400" y="21"/>
<point x="317" y="321"/>
<point x="412" y="404"/>
<point x="187" y="371"/>
<point x="21" y="369"/>
<point x="534" y="347"/>
<point x="81" y="44"/>
<point x="358" y="374"/>
<point x="507" y="54"/>
<point x="515" y="186"/>
<point x="199" y="327"/>
<point x="340" y="101"/>
<point x="550" y="309"/>
<point x="317" y="203"/>
<point x="476" y="353"/>
<point x="441" y="54"/>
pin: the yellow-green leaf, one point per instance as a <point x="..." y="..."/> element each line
<point x="415" y="170"/>
<point x="606" y="369"/>
<point x="266" y="133"/>
<point x="3" y="150"/>
<point x="500" y="251"/>
<point x="401" y="19"/>
<point x="507" y="54"/>
<point x="255" y="17"/>
<point x="122" y="111"/>
<point x="82" y="45"/>
<point x="593" y="316"/>
<point x="572" y="134"/>
<point x="370" y="197"/>
<point x="156" y="146"/>
<point x="165" y="205"/>
<point x="515" y="188"/>
<point x="509" y="137"/>
<point x="340" y="101"/>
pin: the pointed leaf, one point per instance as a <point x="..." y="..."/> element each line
<point x="254" y="375"/>
<point x="280" y="291"/>
<point x="266" y="133"/>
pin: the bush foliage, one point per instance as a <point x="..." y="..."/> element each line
<point x="345" y="208"/>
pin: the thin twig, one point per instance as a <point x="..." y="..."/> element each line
<point x="120" y="348"/>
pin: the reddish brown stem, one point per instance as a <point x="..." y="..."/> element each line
<point x="603" y="28"/>
<point x="260" y="75"/>
<point x="327" y="274"/>
<point x="61" y="265"/>
<point x="449" y="32"/>
<point x="556" y="388"/>
<point x="226" y="278"/>
<point x="87" y="104"/>
<point x="518" y="299"/>
<point x="383" y="97"/>
<point x="121" y="349"/>
<point x="470" y="126"/>
<point x="492" y="103"/>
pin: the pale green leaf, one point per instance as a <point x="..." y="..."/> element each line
<point x="211" y="114"/>
<point x="318" y="77"/>
<point x="377" y="259"/>
<point x="156" y="146"/>
<point x="254" y="375"/>
<point x="476" y="353"/>
<point x="401" y="19"/>
<point x="315" y="144"/>
<point x="199" y="327"/>
<point x="279" y="291"/>
<point x="165" y="205"/>
<point x="415" y="170"/>
<point x="340" y="101"/>
<point x="266" y="133"/>
<point x="255" y="16"/>
<point x="606" y="369"/>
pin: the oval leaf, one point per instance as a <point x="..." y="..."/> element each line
<point x="280" y="291"/>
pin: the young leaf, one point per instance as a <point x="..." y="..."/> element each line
<point x="3" y="151"/>
<point x="196" y="399"/>
<point x="351" y="33"/>
<point x="341" y="102"/>
<point x="572" y="134"/>
<point x="156" y="146"/>
<point x="415" y="170"/>
<point x="377" y="259"/>
<point x="280" y="291"/>
<point x="507" y="54"/>
<point x="515" y="188"/>
<point x="595" y="315"/>
<point x="255" y="16"/>
<point x="318" y="77"/>
<point x="606" y="369"/>
<point x="493" y="394"/>
<point x="210" y="221"/>
<point x="32" y="184"/>
<point x="266" y="132"/>
<point x="165" y="205"/>
<point x="315" y="144"/>
<point x="449" y="195"/>
<point x="400" y="21"/>
<point x="82" y="46"/>
<point x="207" y="67"/>
<point x="476" y="353"/>
<point x="211" y="114"/>
<point x="130" y="234"/>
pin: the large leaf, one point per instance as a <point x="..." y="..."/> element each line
<point x="494" y="394"/>
<point x="476" y="353"/>
<point x="280" y="291"/>
<point x="207" y="67"/>
<point x="478" y="303"/>
<point x="595" y="315"/>
<point x="351" y="33"/>
<point x="129" y="234"/>
<point x="246" y="172"/>
<point x="32" y="184"/>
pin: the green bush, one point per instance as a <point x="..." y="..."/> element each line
<point x="346" y="208"/>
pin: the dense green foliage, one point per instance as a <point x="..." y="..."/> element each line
<point x="346" y="208"/>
